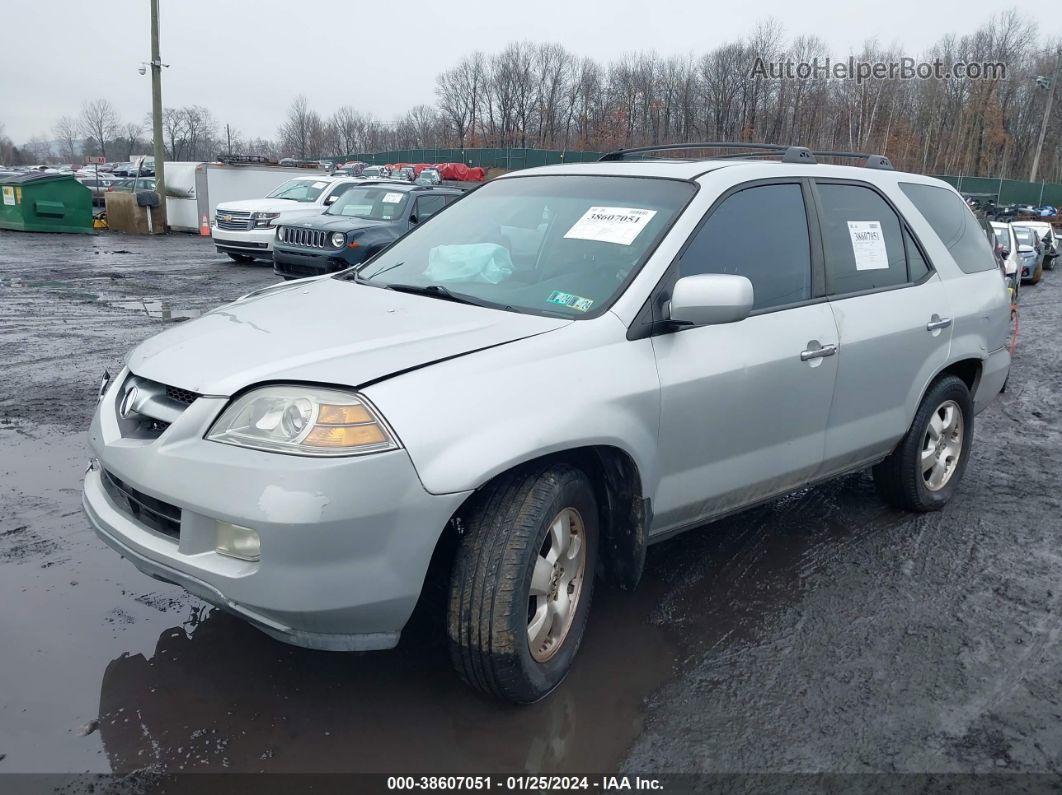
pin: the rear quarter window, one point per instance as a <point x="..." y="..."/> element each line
<point x="955" y="225"/>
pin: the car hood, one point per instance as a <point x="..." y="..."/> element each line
<point x="323" y="330"/>
<point x="265" y="205"/>
<point x="336" y="223"/>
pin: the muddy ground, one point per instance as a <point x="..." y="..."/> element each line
<point x="822" y="632"/>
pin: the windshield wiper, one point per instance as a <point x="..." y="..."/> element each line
<point x="381" y="270"/>
<point x="436" y="291"/>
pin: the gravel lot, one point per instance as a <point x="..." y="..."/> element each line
<point x="822" y="632"/>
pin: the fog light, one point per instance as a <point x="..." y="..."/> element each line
<point x="238" y="542"/>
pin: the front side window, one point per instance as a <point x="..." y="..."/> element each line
<point x="862" y="240"/>
<point x="561" y="245"/>
<point x="372" y="203"/>
<point x="427" y="206"/>
<point x="299" y="190"/>
<point x="760" y="233"/>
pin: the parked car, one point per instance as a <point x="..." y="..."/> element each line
<point x="1008" y="250"/>
<point x="98" y="185"/>
<point x="367" y="219"/>
<point x="244" y="229"/>
<point x="132" y="184"/>
<point x="503" y="427"/>
<point x="1049" y="237"/>
<point x="1030" y="254"/>
<point x="428" y="176"/>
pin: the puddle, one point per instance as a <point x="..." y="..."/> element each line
<point x="161" y="310"/>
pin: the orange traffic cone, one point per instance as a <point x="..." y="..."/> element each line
<point x="204" y="227"/>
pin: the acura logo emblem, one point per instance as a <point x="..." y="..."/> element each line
<point x="128" y="400"/>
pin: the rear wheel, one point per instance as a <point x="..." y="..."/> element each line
<point x="239" y="257"/>
<point x="522" y="582"/>
<point x="924" y="470"/>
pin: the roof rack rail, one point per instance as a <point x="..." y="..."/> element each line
<point x="790" y="154"/>
<point x="870" y="161"/>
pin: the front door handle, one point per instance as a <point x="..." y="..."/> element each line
<point x="937" y="322"/>
<point x="818" y="353"/>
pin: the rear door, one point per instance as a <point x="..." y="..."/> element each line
<point x="893" y="318"/>
<point x="744" y="405"/>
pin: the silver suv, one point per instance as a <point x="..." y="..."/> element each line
<point x="564" y="366"/>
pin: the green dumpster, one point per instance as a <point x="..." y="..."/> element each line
<point x="38" y="202"/>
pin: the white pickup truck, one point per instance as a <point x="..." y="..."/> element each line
<point x="245" y="229"/>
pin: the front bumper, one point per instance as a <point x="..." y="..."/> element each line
<point x="298" y="264"/>
<point x="252" y="242"/>
<point x="345" y="542"/>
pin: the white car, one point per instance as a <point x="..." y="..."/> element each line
<point x="1048" y="236"/>
<point x="245" y="229"/>
<point x="1005" y="238"/>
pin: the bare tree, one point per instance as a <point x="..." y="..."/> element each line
<point x="67" y="132"/>
<point x="99" y="123"/>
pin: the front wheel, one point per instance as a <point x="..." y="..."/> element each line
<point x="1038" y="273"/>
<point x="924" y="470"/>
<point x="522" y="582"/>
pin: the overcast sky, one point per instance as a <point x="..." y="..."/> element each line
<point x="246" y="60"/>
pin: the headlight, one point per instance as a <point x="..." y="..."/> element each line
<point x="262" y="219"/>
<point x="338" y="239"/>
<point x="303" y="421"/>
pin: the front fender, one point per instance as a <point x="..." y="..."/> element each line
<point x="468" y="419"/>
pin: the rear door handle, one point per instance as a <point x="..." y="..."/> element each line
<point x="937" y="322"/>
<point x="818" y="353"/>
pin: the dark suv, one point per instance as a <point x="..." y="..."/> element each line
<point x="364" y="221"/>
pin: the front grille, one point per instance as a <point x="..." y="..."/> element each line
<point x="152" y="513"/>
<point x="233" y="219"/>
<point x="181" y="395"/>
<point x="297" y="236"/>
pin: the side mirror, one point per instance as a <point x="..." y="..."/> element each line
<point x="413" y="219"/>
<point x="331" y="199"/>
<point x="709" y="299"/>
<point x="1025" y="249"/>
<point x="1004" y="252"/>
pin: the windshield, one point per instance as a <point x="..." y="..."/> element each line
<point x="299" y="190"/>
<point x="378" y="204"/>
<point x="1002" y="237"/>
<point x="553" y="245"/>
<point x="1025" y="236"/>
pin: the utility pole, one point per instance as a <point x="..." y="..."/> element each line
<point x="1047" y="116"/>
<point x="156" y="111"/>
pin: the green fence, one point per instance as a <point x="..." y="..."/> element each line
<point x="485" y="158"/>
<point x="1009" y="191"/>
<point x="1006" y="191"/>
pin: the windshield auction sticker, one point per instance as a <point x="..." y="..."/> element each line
<point x="868" y="245"/>
<point x="392" y="198"/>
<point x="574" y="301"/>
<point x="611" y="224"/>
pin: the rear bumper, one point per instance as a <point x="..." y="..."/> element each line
<point x="994" y="374"/>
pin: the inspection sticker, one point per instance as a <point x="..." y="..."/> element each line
<point x="868" y="245"/>
<point x="9" y="195"/>
<point x="611" y="224"/>
<point x="392" y="198"/>
<point x="319" y="185"/>
<point x="567" y="299"/>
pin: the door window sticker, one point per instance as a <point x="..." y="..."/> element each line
<point x="619" y="225"/>
<point x="868" y="245"/>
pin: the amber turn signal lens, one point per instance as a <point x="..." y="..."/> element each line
<point x="330" y="414"/>
<point x="345" y="436"/>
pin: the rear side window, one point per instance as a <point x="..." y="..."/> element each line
<point x="862" y="238"/>
<point x="955" y="225"/>
<point x="775" y="256"/>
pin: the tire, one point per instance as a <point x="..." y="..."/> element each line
<point x="1049" y="263"/>
<point x="495" y="597"/>
<point x="901" y="479"/>
<point x="1038" y="273"/>
<point x="239" y="257"/>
